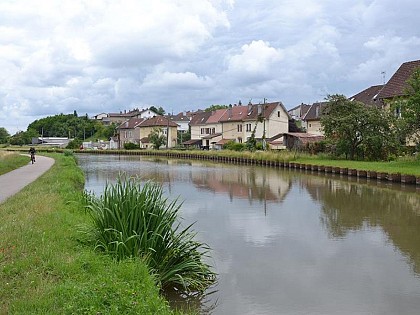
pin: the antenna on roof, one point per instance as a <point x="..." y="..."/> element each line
<point x="383" y="77"/>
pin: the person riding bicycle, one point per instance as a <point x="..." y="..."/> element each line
<point x="32" y="152"/>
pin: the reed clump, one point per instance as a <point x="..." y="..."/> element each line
<point x="134" y="220"/>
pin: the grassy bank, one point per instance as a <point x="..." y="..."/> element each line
<point x="44" y="269"/>
<point x="403" y="166"/>
<point x="10" y="161"/>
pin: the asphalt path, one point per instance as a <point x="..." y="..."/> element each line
<point x="14" y="181"/>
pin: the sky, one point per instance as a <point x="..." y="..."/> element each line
<point x="97" y="56"/>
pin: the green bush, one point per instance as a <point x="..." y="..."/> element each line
<point x="131" y="146"/>
<point x="134" y="221"/>
<point x="68" y="152"/>
<point x="235" y="146"/>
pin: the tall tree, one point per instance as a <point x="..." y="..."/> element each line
<point x="410" y="108"/>
<point x="159" y="110"/>
<point x="4" y="135"/>
<point x="356" y="129"/>
<point x="215" y="107"/>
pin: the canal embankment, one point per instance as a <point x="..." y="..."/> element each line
<point x="400" y="171"/>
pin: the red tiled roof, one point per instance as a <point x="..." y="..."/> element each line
<point x="216" y="116"/>
<point x="397" y="85"/>
<point x="158" y="121"/>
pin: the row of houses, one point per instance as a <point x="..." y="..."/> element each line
<point x="381" y="96"/>
<point x="269" y="123"/>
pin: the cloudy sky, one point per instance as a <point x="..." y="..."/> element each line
<point x="98" y="56"/>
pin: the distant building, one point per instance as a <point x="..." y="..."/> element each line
<point x="60" y="142"/>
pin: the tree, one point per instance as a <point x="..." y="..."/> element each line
<point x="4" y="135"/>
<point x="157" y="138"/>
<point x="215" y="107"/>
<point x="159" y="110"/>
<point x="411" y="107"/>
<point x="357" y="130"/>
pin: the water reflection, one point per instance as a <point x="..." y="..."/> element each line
<point x="287" y="242"/>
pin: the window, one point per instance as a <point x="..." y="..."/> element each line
<point x="310" y="125"/>
<point x="202" y="130"/>
<point x="278" y="113"/>
<point x="214" y="131"/>
<point x="239" y="128"/>
<point x="248" y="127"/>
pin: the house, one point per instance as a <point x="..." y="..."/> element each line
<point x="100" y="116"/>
<point x="237" y="123"/>
<point x="397" y="88"/>
<point x="137" y="131"/>
<point x="129" y="132"/>
<point x="299" y="111"/>
<point x="182" y="120"/>
<point x="198" y="121"/>
<point x="119" y="118"/>
<point x="369" y="96"/>
<point x="169" y="130"/>
<point x="264" y="120"/>
<point x="312" y="118"/>
<point x="60" y="142"/>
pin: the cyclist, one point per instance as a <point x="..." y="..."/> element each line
<point x="32" y="153"/>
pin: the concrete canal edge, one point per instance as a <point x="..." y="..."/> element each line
<point x="403" y="179"/>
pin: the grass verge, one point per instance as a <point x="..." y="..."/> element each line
<point x="44" y="269"/>
<point x="10" y="161"/>
<point x="402" y="166"/>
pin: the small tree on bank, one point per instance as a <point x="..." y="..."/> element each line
<point x="157" y="138"/>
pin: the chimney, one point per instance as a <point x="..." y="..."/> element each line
<point x="230" y="112"/>
<point x="259" y="108"/>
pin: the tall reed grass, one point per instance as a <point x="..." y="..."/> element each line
<point x="130" y="220"/>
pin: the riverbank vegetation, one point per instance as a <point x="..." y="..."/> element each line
<point x="45" y="269"/>
<point x="130" y="220"/>
<point x="11" y="160"/>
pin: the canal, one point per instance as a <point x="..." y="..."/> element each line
<point x="287" y="241"/>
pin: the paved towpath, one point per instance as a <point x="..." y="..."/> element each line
<point x="14" y="181"/>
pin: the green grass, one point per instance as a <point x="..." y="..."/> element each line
<point x="45" y="269"/>
<point x="10" y="161"/>
<point x="130" y="220"/>
<point x="402" y="166"/>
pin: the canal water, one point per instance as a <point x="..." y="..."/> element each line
<point x="287" y="241"/>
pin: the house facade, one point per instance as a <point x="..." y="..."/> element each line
<point x="137" y="131"/>
<point x="312" y="119"/>
<point x="237" y="123"/>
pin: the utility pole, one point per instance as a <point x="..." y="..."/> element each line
<point x="263" y="112"/>
<point x="167" y="132"/>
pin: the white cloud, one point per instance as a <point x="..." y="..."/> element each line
<point x="255" y="61"/>
<point x="184" y="80"/>
<point x="57" y="56"/>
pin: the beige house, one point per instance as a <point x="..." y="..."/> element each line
<point x="312" y="119"/>
<point x="137" y="131"/>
